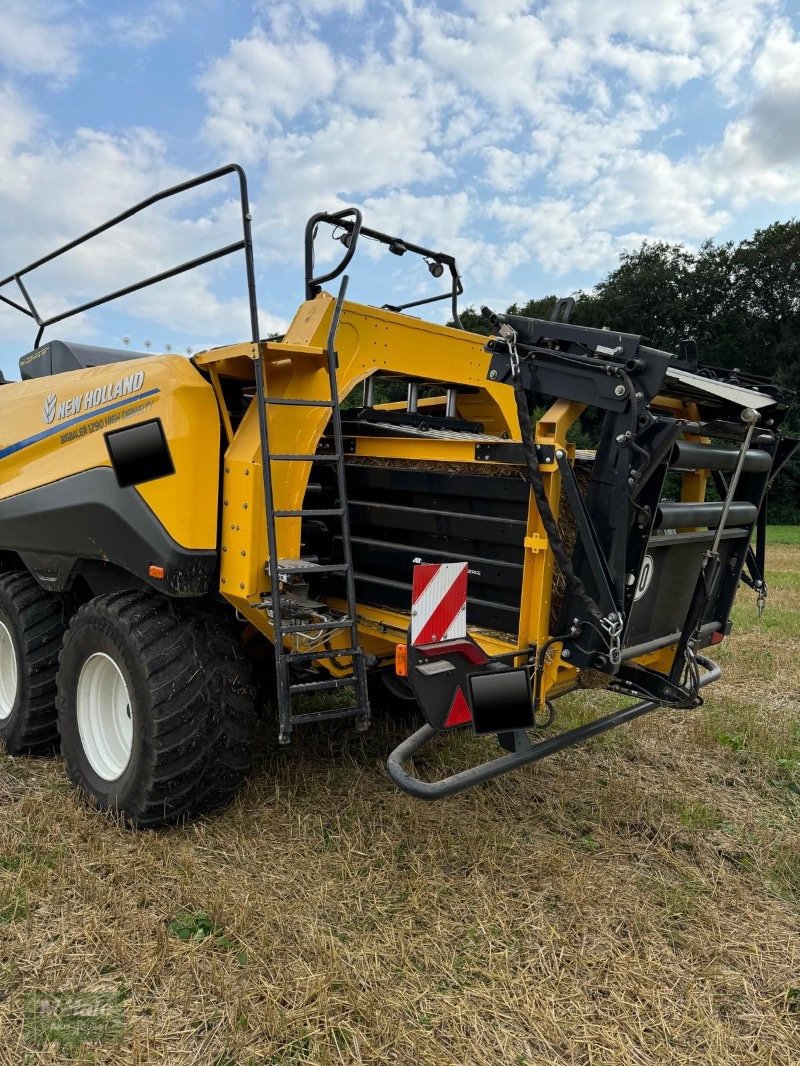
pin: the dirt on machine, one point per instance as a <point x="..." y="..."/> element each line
<point x="192" y="548"/>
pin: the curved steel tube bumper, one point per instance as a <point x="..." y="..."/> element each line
<point x="448" y="786"/>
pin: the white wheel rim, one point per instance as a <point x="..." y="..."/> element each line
<point x="8" y="673"/>
<point x="105" y="719"/>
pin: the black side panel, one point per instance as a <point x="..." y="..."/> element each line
<point x="88" y="516"/>
<point x="399" y="517"/>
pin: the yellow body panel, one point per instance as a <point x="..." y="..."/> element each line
<point x="54" y="427"/>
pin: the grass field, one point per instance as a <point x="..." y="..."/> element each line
<point x="634" y="901"/>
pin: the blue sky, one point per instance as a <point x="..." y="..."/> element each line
<point x="533" y="140"/>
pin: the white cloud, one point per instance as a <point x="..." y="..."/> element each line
<point x="40" y="37"/>
<point x="258" y="84"/>
<point x="563" y="113"/>
<point x="520" y="136"/>
<point x="147" y="27"/>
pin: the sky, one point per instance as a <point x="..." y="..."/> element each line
<point x="535" y="141"/>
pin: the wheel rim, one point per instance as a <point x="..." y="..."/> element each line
<point x="105" y="718"/>
<point x="8" y="672"/>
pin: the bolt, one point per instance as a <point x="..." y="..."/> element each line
<point x="224" y="548"/>
<point x="630" y="578"/>
<point x="245" y="506"/>
<point x="247" y="472"/>
<point x="492" y="375"/>
<point x="227" y="470"/>
<point x="225" y="502"/>
<point x="566" y="653"/>
<point x="619" y="390"/>
<point x="559" y="455"/>
<point x="620" y="438"/>
<point x="241" y="585"/>
<point x="244" y="553"/>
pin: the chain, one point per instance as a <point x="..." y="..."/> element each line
<point x="761" y="596"/>
<point x="509" y="335"/>
<point x="612" y="624"/>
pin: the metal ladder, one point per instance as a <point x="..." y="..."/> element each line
<point x="283" y="603"/>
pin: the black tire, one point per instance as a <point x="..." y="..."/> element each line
<point x="190" y="702"/>
<point x="35" y="620"/>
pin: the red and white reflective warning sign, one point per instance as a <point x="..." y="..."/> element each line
<point x="438" y="602"/>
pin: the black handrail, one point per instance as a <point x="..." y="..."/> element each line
<point x="523" y="754"/>
<point x="355" y="229"/>
<point x="244" y="245"/>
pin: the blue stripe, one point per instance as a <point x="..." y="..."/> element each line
<point x="62" y="426"/>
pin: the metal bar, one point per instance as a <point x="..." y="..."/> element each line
<point x="339" y="218"/>
<point x="287" y="458"/>
<point x="314" y="627"/>
<point x="588" y="534"/>
<point x="728" y="501"/>
<point x="174" y="190"/>
<point x="322" y="653"/>
<point x="16" y="306"/>
<point x="687" y="455"/>
<point x="320" y="686"/>
<point x="637" y="650"/>
<point x="229" y="249"/>
<point x="679" y="515"/>
<point x="308" y="512"/>
<point x="355" y="229"/>
<point x="281" y="401"/>
<point x="325" y="716"/>
<point x="449" y="786"/>
<point x="29" y="302"/>
<point x="360" y="674"/>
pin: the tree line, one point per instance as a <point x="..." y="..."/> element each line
<point x="739" y="301"/>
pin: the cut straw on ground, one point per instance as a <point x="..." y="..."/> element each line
<point x="635" y="901"/>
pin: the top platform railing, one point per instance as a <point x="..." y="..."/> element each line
<point x="244" y="245"/>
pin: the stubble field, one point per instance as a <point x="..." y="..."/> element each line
<point x="633" y="901"/>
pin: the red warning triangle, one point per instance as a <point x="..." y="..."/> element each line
<point x="459" y="712"/>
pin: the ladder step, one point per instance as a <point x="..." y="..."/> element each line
<point x="323" y="653"/>
<point x="315" y="627"/>
<point x="324" y="716"/>
<point x="308" y="512"/>
<point x="322" y="686"/>
<point x="308" y="566"/>
<point x="329" y="457"/>
<point x="282" y="401"/>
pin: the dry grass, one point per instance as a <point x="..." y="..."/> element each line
<point x="634" y="901"/>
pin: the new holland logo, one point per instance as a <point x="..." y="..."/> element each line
<point x="91" y="400"/>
